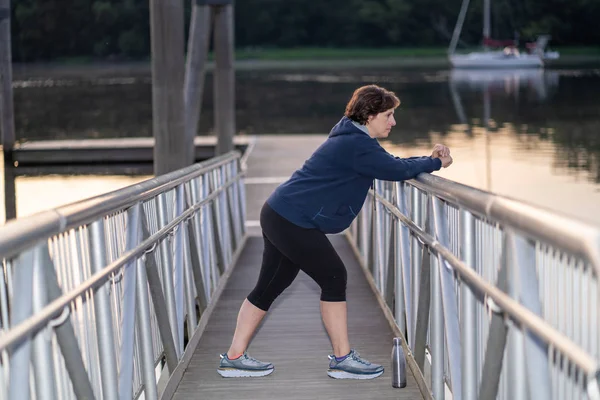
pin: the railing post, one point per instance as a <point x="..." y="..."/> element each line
<point x="207" y="235"/>
<point x="195" y="244"/>
<point x="217" y="227"/>
<point x="468" y="310"/>
<point x="449" y="299"/>
<point x="159" y="302"/>
<point x="378" y="241"/>
<point x="167" y="271"/>
<point x="437" y="333"/>
<point x="363" y="240"/>
<point x="189" y="281"/>
<point x="65" y="336"/>
<point x="515" y="366"/>
<point x="20" y="311"/>
<point x="403" y="246"/>
<point x="526" y="289"/>
<point x="416" y="265"/>
<point x="145" y="334"/>
<point x="496" y="342"/>
<point x="225" y="216"/>
<point x="241" y="186"/>
<point x="129" y="309"/>
<point x="392" y="272"/>
<point x="178" y="260"/>
<point x="231" y="200"/>
<point x="403" y="301"/>
<point x="43" y="366"/>
<point x="196" y="266"/>
<point x="104" y="329"/>
<point x="438" y="352"/>
<point x="199" y="269"/>
<point x="422" y="318"/>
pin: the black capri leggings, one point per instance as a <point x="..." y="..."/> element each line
<point x="289" y="249"/>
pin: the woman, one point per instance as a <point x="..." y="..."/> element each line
<point x="324" y="196"/>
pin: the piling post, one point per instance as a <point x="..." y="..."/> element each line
<point x="224" y="91"/>
<point x="171" y="146"/>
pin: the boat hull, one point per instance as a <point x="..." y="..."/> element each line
<point x="495" y="60"/>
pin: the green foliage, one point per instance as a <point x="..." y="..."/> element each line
<point x="120" y="29"/>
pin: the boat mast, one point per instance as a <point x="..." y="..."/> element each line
<point x="486" y="21"/>
<point x="458" y="27"/>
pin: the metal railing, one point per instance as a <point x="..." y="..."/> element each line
<point x="100" y="297"/>
<point x="496" y="298"/>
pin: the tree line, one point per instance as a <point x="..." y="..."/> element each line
<point x="120" y="29"/>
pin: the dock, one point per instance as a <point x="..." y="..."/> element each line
<point x="292" y="336"/>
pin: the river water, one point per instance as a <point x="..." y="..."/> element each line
<point x="533" y="135"/>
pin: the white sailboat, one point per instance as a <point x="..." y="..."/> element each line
<point x="509" y="57"/>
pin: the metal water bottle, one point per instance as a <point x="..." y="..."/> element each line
<point x="398" y="365"/>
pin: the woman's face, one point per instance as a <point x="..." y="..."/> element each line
<point x="380" y="125"/>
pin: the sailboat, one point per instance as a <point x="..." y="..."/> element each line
<point x="508" y="57"/>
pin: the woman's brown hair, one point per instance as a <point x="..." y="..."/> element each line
<point x="370" y="100"/>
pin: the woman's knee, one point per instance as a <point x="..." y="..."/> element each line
<point x="264" y="303"/>
<point x="334" y="286"/>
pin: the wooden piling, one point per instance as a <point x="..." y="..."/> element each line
<point x="172" y="147"/>
<point x="10" y="196"/>
<point x="6" y="93"/>
<point x="224" y="78"/>
<point x="195" y="68"/>
<point x="7" y="120"/>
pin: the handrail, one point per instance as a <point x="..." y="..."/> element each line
<point x="508" y="306"/>
<point x="80" y="283"/>
<point x="492" y="289"/>
<point x="22" y="233"/>
<point x="572" y="235"/>
<point x="54" y="309"/>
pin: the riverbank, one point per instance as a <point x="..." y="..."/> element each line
<point x="303" y="59"/>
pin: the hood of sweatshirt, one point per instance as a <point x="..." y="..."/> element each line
<point x="348" y="127"/>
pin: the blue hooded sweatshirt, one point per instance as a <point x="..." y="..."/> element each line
<point x="329" y="190"/>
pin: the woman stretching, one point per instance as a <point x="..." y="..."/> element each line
<point x="324" y="196"/>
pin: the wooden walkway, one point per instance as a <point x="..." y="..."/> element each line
<point x="292" y="335"/>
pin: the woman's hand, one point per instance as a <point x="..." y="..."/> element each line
<point x="439" y="151"/>
<point x="443" y="153"/>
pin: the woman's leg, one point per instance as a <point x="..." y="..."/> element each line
<point x="248" y="320"/>
<point x="314" y="254"/>
<point x="276" y="274"/>
<point x="335" y="318"/>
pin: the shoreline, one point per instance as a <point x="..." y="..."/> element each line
<point x="107" y="68"/>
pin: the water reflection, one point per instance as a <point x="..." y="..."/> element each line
<point x="577" y="142"/>
<point x="46" y="189"/>
<point x="491" y="162"/>
<point x="501" y="124"/>
<point x="539" y="163"/>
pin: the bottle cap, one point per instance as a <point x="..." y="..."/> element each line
<point x="397" y="341"/>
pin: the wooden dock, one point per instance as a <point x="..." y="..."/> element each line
<point x="114" y="150"/>
<point x="292" y="336"/>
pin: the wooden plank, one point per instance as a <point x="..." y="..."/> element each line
<point x="294" y="339"/>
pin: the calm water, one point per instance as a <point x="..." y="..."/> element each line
<point x="541" y="142"/>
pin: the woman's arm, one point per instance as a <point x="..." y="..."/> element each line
<point x="372" y="160"/>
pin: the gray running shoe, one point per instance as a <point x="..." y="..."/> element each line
<point x="243" y="366"/>
<point x="353" y="367"/>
